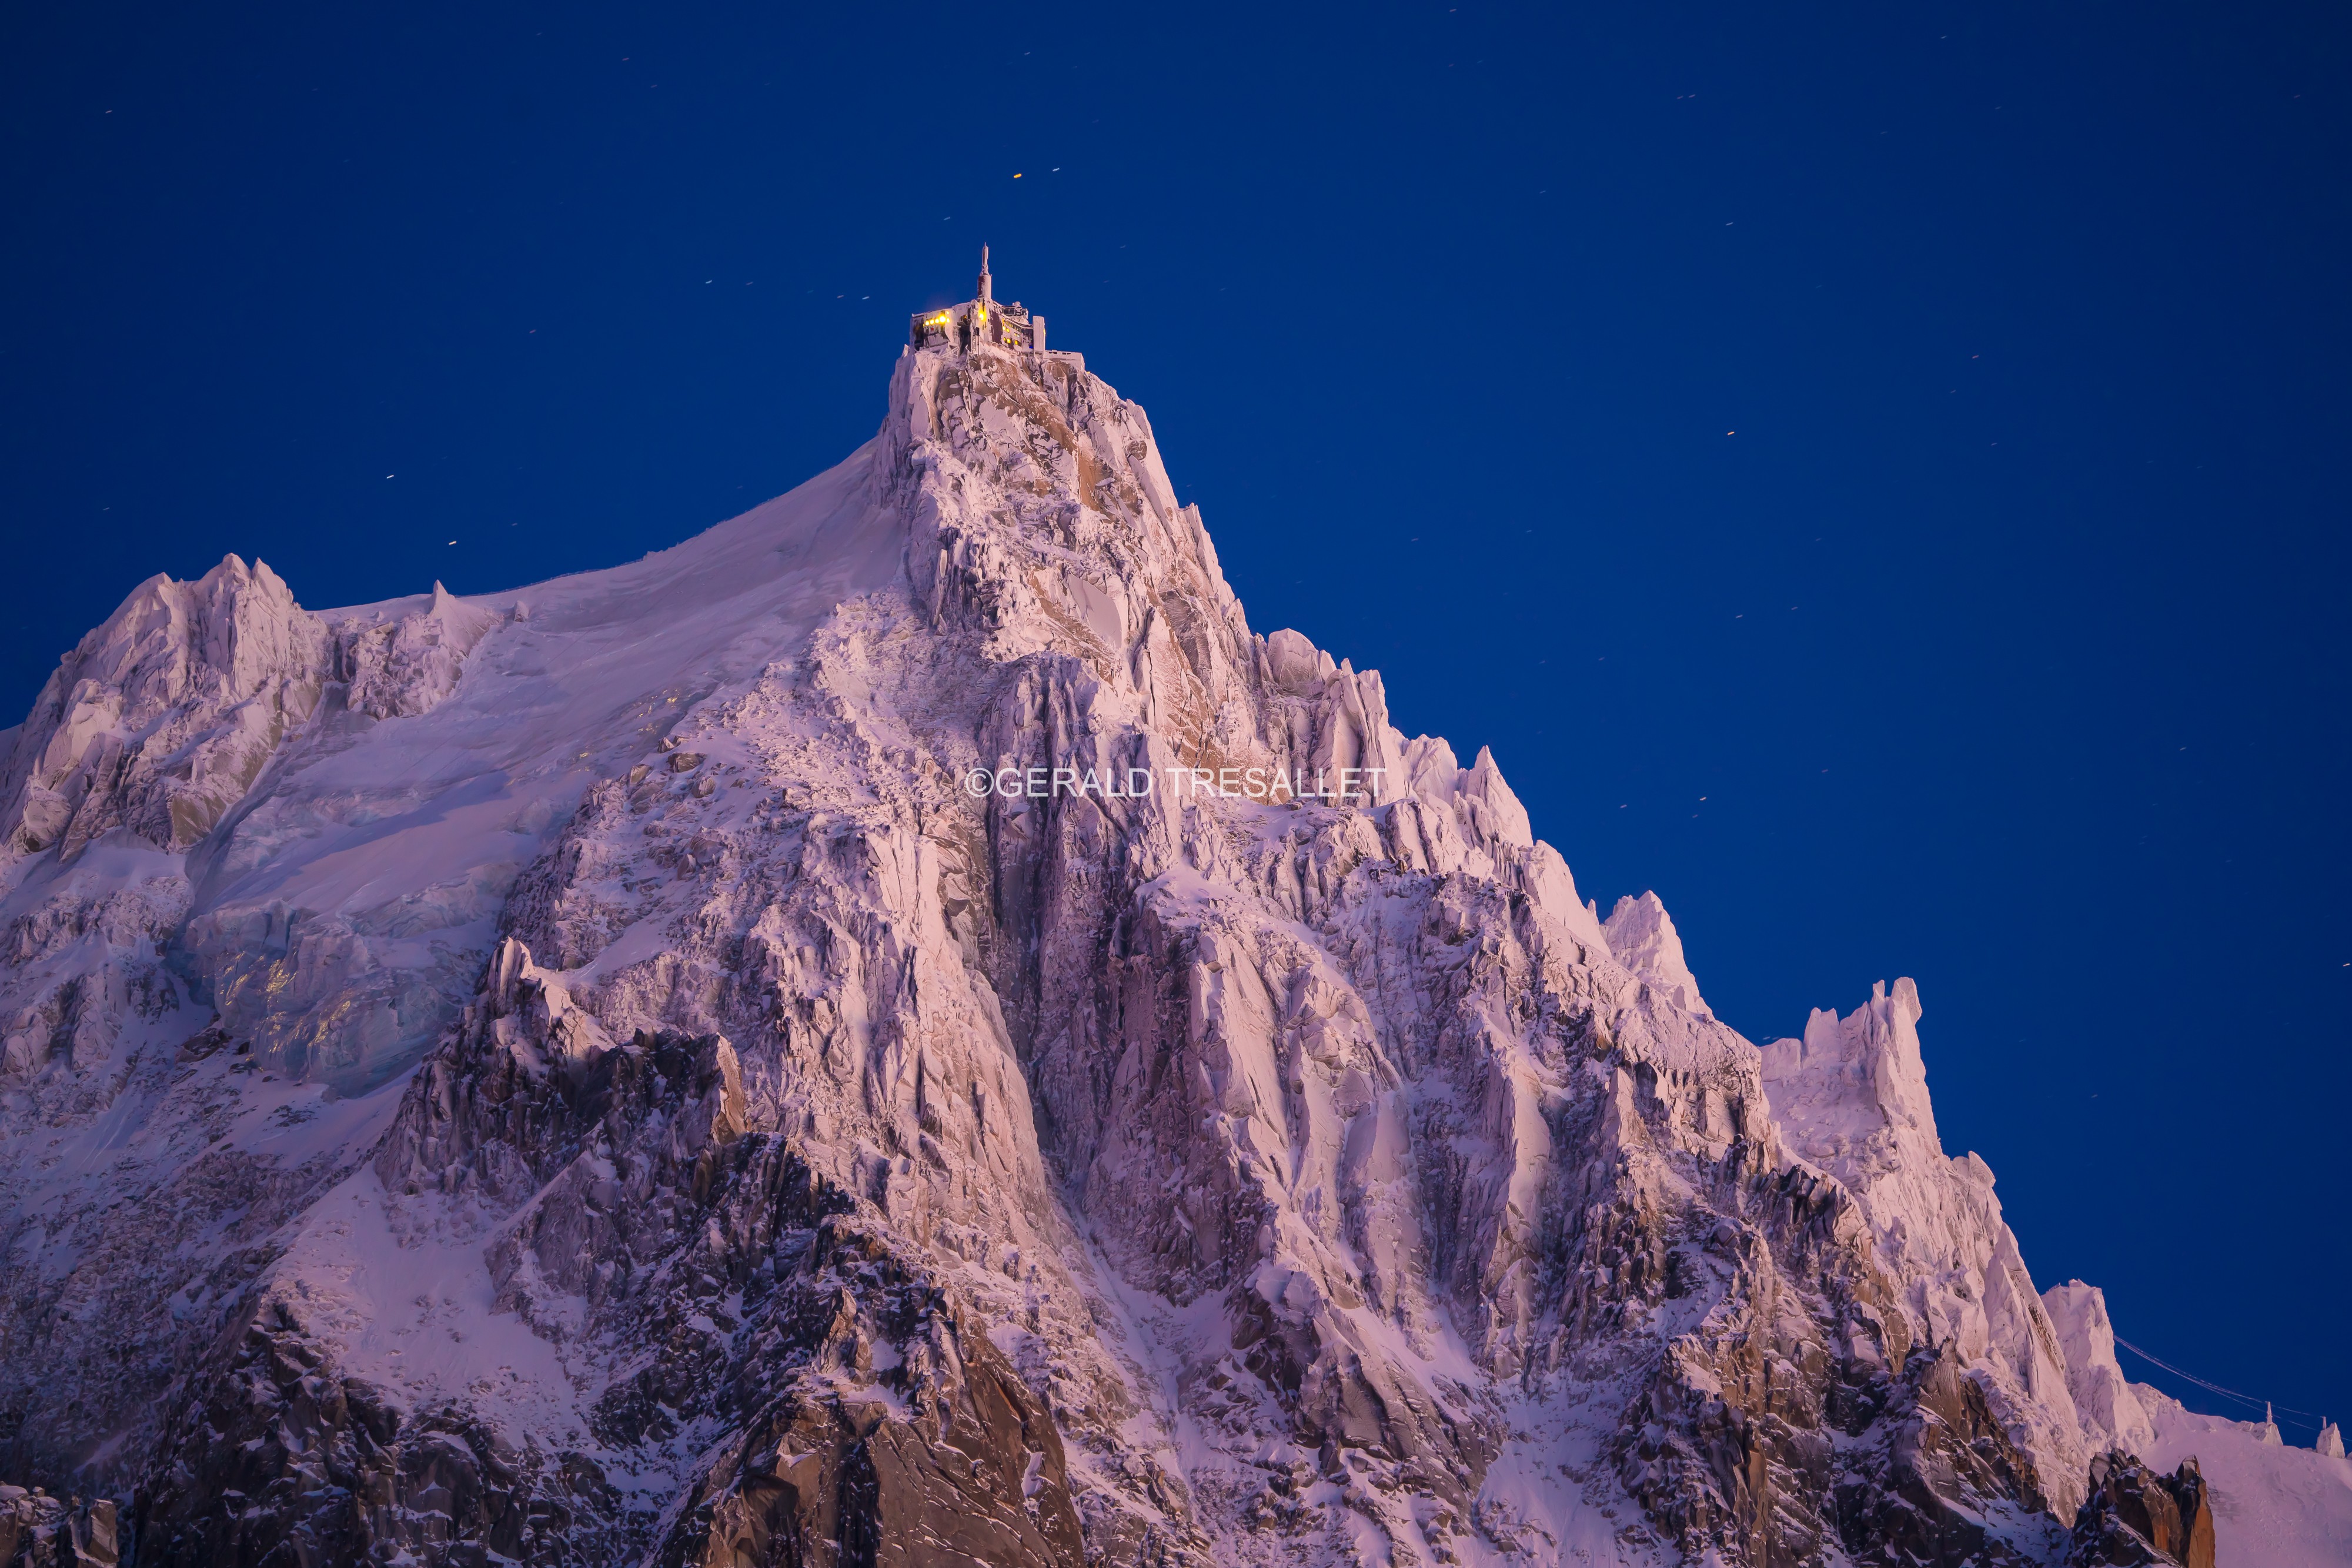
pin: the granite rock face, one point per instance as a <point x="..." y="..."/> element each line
<point x="37" y="1531"/>
<point x="2135" y="1515"/>
<point x="903" y="1031"/>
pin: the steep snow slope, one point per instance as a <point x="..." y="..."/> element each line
<point x="2280" y="1507"/>
<point x="335" y="924"/>
<point x="722" y="1059"/>
<point x="393" y="839"/>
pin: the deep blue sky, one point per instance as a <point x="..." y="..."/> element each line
<point x="2004" y="644"/>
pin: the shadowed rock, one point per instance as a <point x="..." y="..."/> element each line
<point x="2137" y="1516"/>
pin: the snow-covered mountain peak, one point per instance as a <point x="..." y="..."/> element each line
<point x="162" y="716"/>
<point x="1860" y="1079"/>
<point x="901" y="1019"/>
<point x="1642" y="936"/>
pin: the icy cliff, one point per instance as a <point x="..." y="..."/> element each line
<point x="902" y="1031"/>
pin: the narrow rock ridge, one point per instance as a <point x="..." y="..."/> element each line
<point x="1852" y="1097"/>
<point x="903" y="1030"/>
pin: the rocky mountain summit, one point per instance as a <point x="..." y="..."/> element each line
<point x="900" y="1031"/>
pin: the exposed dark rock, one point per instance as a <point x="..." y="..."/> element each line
<point x="2137" y="1516"/>
<point x="37" y="1531"/>
<point x="944" y="1456"/>
<point x="865" y="1422"/>
<point x="286" y="1461"/>
<point x="1940" y="1475"/>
